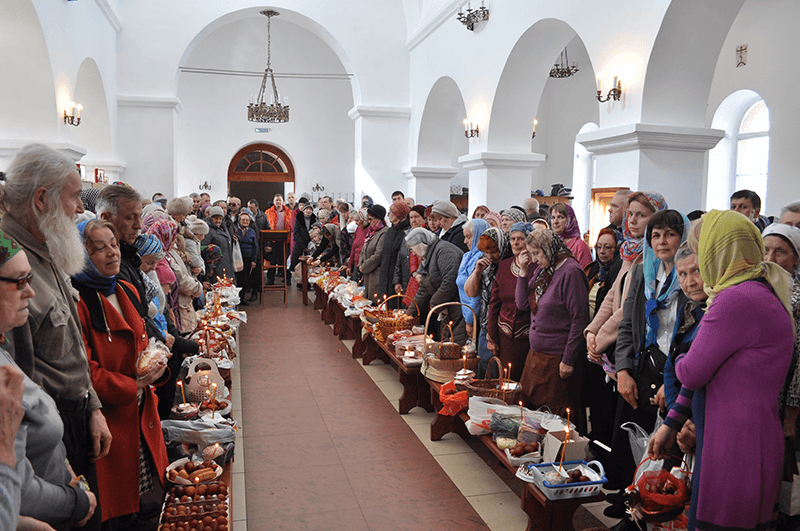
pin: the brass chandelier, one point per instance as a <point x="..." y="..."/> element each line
<point x="275" y="111"/>
<point x="562" y="68"/>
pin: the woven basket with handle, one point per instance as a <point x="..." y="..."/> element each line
<point x="493" y="387"/>
<point x="390" y="321"/>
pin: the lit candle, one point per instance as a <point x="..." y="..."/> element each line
<point x="615" y="81"/>
<point x="214" y="398"/>
<point x="183" y="396"/>
<point x="563" y="447"/>
<point x="466" y="125"/>
<point x="568" y="418"/>
<point x="535" y="122"/>
<point x="79" y="108"/>
<point x="509" y="376"/>
<point x="521" y="414"/>
<point x="465" y="362"/>
<point x="599" y="84"/>
<point x="503" y="384"/>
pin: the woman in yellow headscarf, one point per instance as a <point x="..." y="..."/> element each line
<point x="737" y="366"/>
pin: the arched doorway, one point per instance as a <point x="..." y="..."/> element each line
<point x="259" y="171"/>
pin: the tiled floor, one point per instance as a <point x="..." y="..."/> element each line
<point x="324" y="447"/>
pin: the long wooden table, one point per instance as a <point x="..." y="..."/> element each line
<point x="544" y="514"/>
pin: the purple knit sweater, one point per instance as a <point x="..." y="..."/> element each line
<point x="562" y="313"/>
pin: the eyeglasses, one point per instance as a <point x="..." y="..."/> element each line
<point x="21" y="282"/>
<point x="605" y="247"/>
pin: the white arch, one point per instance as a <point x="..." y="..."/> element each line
<point x="94" y="133"/>
<point x="440" y="136"/>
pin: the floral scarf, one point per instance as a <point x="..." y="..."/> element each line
<point x="555" y="250"/>
<point x="492" y="237"/>
<point x="632" y="247"/>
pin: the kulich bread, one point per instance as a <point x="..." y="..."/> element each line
<point x="146" y="363"/>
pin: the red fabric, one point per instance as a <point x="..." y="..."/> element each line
<point x="454" y="402"/>
<point x="581" y="251"/>
<point x="355" y="250"/>
<point x="413" y="285"/>
<point x="112" y="368"/>
<point x="288" y="222"/>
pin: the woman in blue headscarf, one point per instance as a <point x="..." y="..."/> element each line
<point x="472" y="233"/>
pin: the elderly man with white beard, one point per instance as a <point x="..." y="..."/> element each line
<point x="42" y="199"/>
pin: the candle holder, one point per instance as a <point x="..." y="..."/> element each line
<point x="615" y="93"/>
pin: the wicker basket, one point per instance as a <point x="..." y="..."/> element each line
<point x="492" y="387"/>
<point x="453" y="365"/>
<point x="434" y="367"/>
<point x="216" y="334"/>
<point x="390" y="322"/>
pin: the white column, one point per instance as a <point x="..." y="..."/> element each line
<point x="147" y="143"/>
<point x="431" y="183"/>
<point x="499" y="180"/>
<point x="381" y="137"/>
<point x="661" y="158"/>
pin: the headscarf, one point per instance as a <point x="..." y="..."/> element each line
<point x="792" y="236"/>
<point x="211" y="253"/>
<point x="571" y="230"/>
<point x="555" y="250"/>
<point x="469" y="259"/>
<point x="512" y="213"/>
<point x="334" y="229"/>
<point x="657" y="301"/>
<point x="731" y="251"/>
<point x="523" y="227"/>
<point x="419" y="239"/>
<point x="602" y="269"/>
<point x="419" y="209"/>
<point x="400" y="210"/>
<point x="492" y="237"/>
<point x="8" y="247"/>
<point x="366" y="202"/>
<point x="632" y="247"/>
<point x="150" y="219"/>
<point x="166" y="231"/>
<point x="90" y="276"/>
<point x="493" y="216"/>
<point x="467" y="266"/>
<point x="148" y="244"/>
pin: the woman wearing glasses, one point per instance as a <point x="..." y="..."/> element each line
<point x="38" y="468"/>
<point x="601" y="272"/>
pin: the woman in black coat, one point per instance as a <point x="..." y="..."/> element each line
<point x="301" y="233"/>
<point x="394" y="239"/>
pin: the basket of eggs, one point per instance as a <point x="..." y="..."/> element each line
<point x="390" y="321"/>
<point x="659" y="495"/>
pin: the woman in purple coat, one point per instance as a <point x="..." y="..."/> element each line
<point x="557" y="294"/>
<point x="737" y="366"/>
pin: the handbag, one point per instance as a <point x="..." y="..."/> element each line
<point x="650" y="377"/>
<point x="238" y="261"/>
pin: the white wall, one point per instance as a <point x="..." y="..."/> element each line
<point x="769" y="29"/>
<point x="213" y="126"/>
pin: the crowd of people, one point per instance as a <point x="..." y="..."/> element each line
<point x="690" y="318"/>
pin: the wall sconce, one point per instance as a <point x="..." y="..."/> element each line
<point x="205" y="186"/>
<point x="535" y="122"/>
<point x="74" y="116"/>
<point x="470" y="131"/>
<point x="615" y="93"/>
<point x="471" y="17"/>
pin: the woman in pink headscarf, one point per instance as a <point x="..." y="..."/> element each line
<point x="565" y="224"/>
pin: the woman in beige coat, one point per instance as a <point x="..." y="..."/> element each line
<point x="369" y="263"/>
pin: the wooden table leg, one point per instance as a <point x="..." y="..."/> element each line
<point x="556" y="516"/>
<point x="328" y="316"/>
<point x="408" y="400"/>
<point x="370" y="350"/>
<point x="320" y="298"/>
<point x="441" y="425"/>
<point x="304" y="280"/>
<point x="424" y="394"/>
<point x="338" y="325"/>
<point x="359" y="346"/>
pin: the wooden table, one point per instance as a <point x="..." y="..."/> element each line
<point x="416" y="392"/>
<point x="544" y="514"/>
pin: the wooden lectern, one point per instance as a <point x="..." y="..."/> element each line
<point x="273" y="238"/>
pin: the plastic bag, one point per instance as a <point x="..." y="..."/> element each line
<point x="155" y="353"/>
<point x="452" y="403"/>
<point x="197" y="432"/>
<point x="480" y="413"/>
<point x="504" y="425"/>
<point x="531" y="429"/>
<point x="639" y="439"/>
<point x="238" y="261"/>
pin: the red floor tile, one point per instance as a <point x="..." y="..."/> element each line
<point x="424" y="515"/>
<point x="351" y="520"/>
<point x="272" y="452"/>
<point x="284" y="419"/>
<point x="387" y="441"/>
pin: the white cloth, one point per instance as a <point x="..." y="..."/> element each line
<point x="666" y="316"/>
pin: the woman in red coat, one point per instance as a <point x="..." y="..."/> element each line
<point x="114" y="335"/>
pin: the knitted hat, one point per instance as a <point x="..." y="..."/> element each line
<point x="445" y="208"/>
<point x="248" y="212"/>
<point x="148" y="244"/>
<point x="197" y="226"/>
<point x="179" y="206"/>
<point x="215" y="211"/>
<point x="377" y="211"/>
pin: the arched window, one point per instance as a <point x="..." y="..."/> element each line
<point x="261" y="163"/>
<point x="740" y="161"/>
<point x="751" y="170"/>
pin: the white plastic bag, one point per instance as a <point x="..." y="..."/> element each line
<point x="639" y="438"/>
<point x="480" y="413"/>
<point x="790" y="497"/>
<point x="238" y="261"/>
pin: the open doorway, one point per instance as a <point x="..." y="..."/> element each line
<point x="259" y="171"/>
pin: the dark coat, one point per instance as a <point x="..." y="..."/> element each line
<point x="439" y="270"/>
<point x="221" y="237"/>
<point x="370" y="263"/>
<point x="456" y="236"/>
<point x="632" y="326"/>
<point x="395" y="238"/>
<point x="300" y="237"/>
